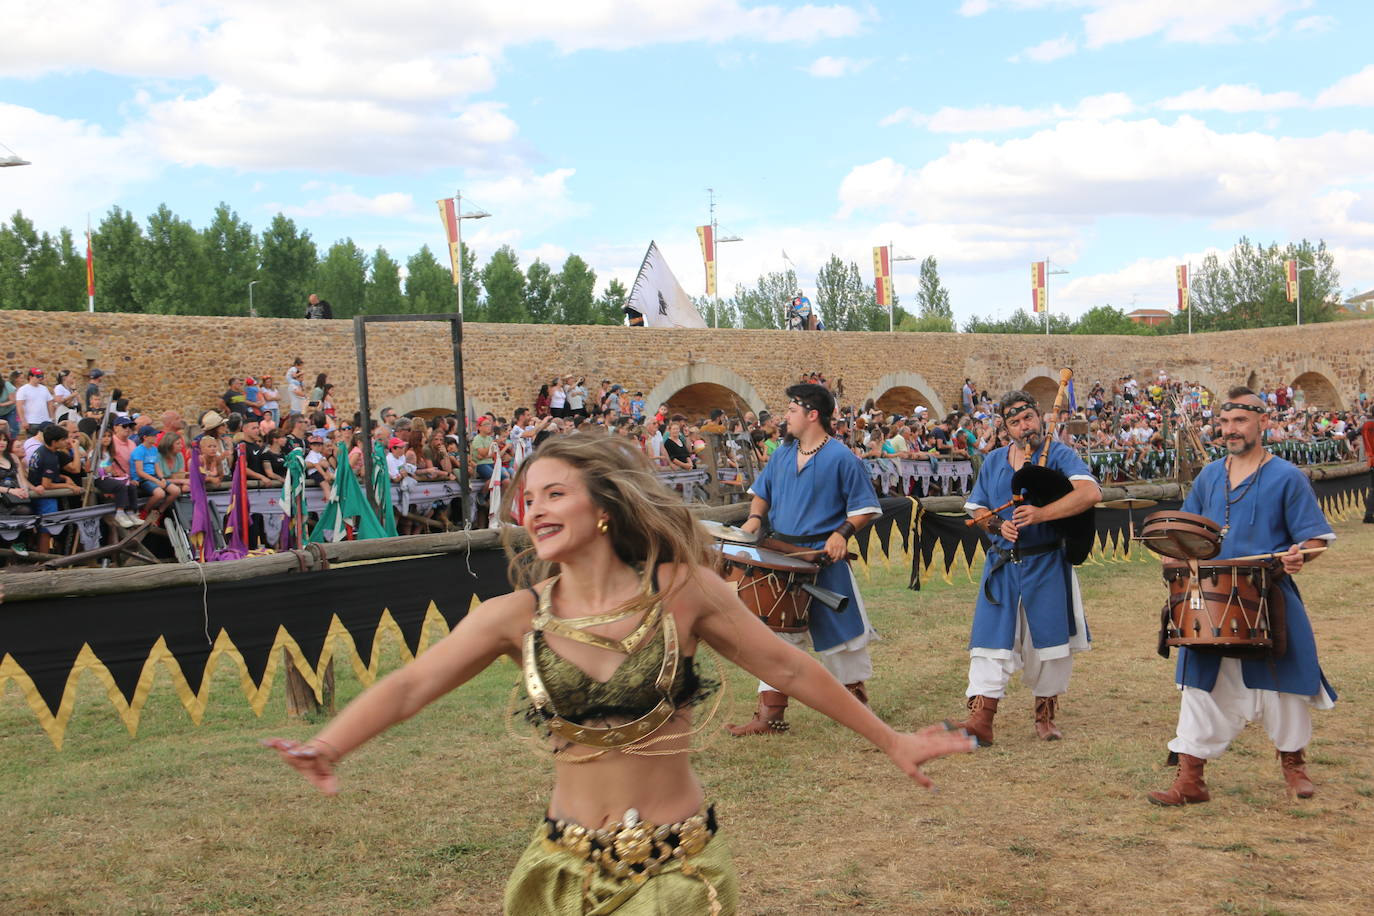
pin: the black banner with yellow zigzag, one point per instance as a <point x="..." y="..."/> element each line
<point x="48" y="644"/>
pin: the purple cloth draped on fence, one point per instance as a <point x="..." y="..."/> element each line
<point x="202" y="518"/>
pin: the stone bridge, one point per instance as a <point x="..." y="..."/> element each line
<point x="183" y="362"/>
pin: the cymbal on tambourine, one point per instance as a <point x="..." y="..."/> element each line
<point x="728" y="533"/>
<point x="1129" y="502"/>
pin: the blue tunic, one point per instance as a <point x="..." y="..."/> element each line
<point x="1278" y="510"/>
<point x="806" y="506"/>
<point x="1042" y="584"/>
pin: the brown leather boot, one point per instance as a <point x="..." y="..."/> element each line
<point x="1295" y="773"/>
<point x="1045" y="729"/>
<point x="1188" y="788"/>
<point x="979" y="722"/>
<point x="768" y="718"/>
<point x="860" y="692"/>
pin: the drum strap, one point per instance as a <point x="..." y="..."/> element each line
<point x="999" y="558"/>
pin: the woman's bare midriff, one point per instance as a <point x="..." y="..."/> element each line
<point x="663" y="789"/>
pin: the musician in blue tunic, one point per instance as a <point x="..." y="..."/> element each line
<point x="1029" y="615"/>
<point x="815" y="494"/>
<point x="1264" y="505"/>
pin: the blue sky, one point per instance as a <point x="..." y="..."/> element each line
<point x="1116" y="137"/>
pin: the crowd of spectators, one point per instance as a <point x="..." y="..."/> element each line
<point x="53" y="444"/>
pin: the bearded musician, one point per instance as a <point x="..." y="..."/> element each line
<point x="1029" y="615"/>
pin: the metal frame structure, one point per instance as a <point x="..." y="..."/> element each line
<point x="455" y="323"/>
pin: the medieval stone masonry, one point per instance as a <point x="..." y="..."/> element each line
<point x="176" y="362"/>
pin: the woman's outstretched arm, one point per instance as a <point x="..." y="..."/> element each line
<point x="490" y="630"/>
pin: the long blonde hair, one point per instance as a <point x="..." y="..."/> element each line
<point x="648" y="523"/>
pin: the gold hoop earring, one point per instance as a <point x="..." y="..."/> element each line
<point x="603" y="525"/>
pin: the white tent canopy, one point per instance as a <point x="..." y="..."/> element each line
<point x="659" y="297"/>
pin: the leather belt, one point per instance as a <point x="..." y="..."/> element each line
<point x="999" y="558"/>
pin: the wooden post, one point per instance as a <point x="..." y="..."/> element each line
<point x="300" y="697"/>
<point x="713" y="469"/>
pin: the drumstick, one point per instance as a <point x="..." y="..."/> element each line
<point x="1274" y="556"/>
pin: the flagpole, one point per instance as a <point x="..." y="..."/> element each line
<point x="1190" y="299"/>
<point x="891" y="253"/>
<point x="90" y="268"/>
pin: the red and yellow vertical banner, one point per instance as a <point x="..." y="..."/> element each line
<point x="1181" y="274"/>
<point x="1290" y="276"/>
<point x="707" y="236"/>
<point x="448" y="213"/>
<point x="90" y="265"/>
<point x="882" y="275"/>
<point x="1039" y="295"/>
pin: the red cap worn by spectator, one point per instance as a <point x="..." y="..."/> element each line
<point x="395" y="442"/>
<point x="250" y="381"/>
<point x="35" y="373"/>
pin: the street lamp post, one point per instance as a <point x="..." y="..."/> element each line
<point x="252" y="312"/>
<point x="715" y="259"/>
<point x="1298" y="297"/>
<point x="893" y="257"/>
<point x="458" y="222"/>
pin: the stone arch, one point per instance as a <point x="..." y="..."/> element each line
<point x="1318" y="391"/>
<point x="698" y="387"/>
<point x="899" y="392"/>
<point x="1041" y="383"/>
<point x="426" y="401"/>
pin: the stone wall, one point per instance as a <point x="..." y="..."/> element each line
<point x="183" y="362"/>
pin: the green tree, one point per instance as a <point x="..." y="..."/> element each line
<point x="932" y="298"/>
<point x="1247" y="290"/>
<point x="763" y="306"/>
<point x="382" y="294"/>
<point x="610" y="305"/>
<point x="729" y="311"/>
<point x="289" y="261"/>
<point x="505" y="286"/>
<point x="118" y="244"/>
<point x="429" y="285"/>
<point x="171" y="277"/>
<point x="1104" y="319"/>
<point x="341" y="278"/>
<point x="539" y="304"/>
<point x="845" y="301"/>
<point x="231" y="257"/>
<point x="61" y="282"/>
<point x="1021" y="322"/>
<point x="573" y="291"/>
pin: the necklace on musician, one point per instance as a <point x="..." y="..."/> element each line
<point x="807" y="454"/>
<point x="1226" y="526"/>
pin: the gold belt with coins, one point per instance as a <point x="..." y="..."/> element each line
<point x="633" y="848"/>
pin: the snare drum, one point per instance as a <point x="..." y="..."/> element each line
<point x="1181" y="535"/>
<point x="769" y="583"/>
<point x="1222" y="604"/>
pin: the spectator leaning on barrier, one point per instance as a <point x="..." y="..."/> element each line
<point x="47" y="471"/>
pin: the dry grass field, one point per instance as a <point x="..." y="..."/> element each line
<point x="201" y="820"/>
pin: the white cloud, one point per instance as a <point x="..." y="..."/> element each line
<point x="1356" y="89"/>
<point x="1144" y="283"/>
<point x="1080" y="171"/>
<point x="1315" y="25"/>
<point x="1107" y="22"/>
<point x="77" y="168"/>
<point x="345" y="201"/>
<point x="535" y="201"/>
<point x="230" y="128"/>
<point x="1051" y="49"/>
<point x="832" y="67"/>
<point x="1231" y="98"/>
<point x="994" y="118"/>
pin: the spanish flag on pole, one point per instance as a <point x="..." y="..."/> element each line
<point x="707" y="236"/>
<point x="1181" y="274"/>
<point x="90" y="269"/>
<point x="1290" y="276"/>
<point x="1039" y="295"/>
